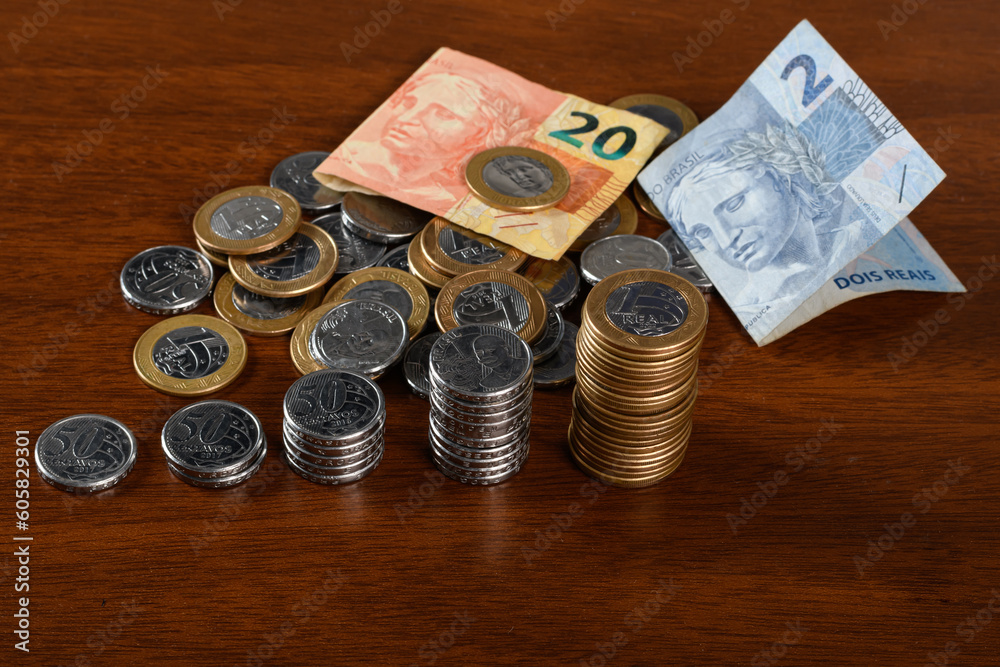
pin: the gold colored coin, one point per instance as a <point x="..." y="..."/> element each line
<point x="190" y="355"/>
<point x="622" y="462"/>
<point x="247" y="220"/>
<point x="260" y="315"/>
<point x="623" y="481"/>
<point x="628" y="448"/>
<point x="515" y="178"/>
<point x="299" y="265"/>
<point x="501" y="298"/>
<point x="453" y="250"/>
<point x="217" y="258"/>
<point x="393" y="287"/>
<point x="639" y="430"/>
<point x="637" y="407"/>
<point x="421" y="268"/>
<point x="302" y="358"/>
<point x="619" y="218"/>
<point x="646" y="203"/>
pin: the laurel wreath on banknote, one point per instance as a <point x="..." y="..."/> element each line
<point x="787" y="151"/>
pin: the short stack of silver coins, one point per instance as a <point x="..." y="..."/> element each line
<point x="214" y="444"/>
<point x="480" y="394"/>
<point x="333" y="427"/>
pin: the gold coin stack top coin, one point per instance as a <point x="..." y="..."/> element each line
<point x="637" y="364"/>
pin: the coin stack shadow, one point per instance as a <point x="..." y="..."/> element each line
<point x="480" y="394"/>
<point x="637" y="363"/>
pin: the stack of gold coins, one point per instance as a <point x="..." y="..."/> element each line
<point x="443" y="250"/>
<point x="637" y="364"/>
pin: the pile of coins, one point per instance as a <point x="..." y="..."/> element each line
<point x="637" y="363"/>
<point x="333" y="427"/>
<point x="480" y="391"/>
<point x="214" y="444"/>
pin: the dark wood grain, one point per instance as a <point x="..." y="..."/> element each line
<point x="209" y="578"/>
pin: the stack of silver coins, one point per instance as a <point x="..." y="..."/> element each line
<point x="480" y="394"/>
<point x="214" y="444"/>
<point x="334" y="426"/>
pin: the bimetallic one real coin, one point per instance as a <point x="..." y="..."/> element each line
<point x="246" y="220"/>
<point x="668" y="112"/>
<point x="421" y="268"/>
<point x="85" y="453"/>
<point x="453" y="250"/>
<point x="560" y="369"/>
<point x="360" y="336"/>
<point x="296" y="266"/>
<point x="393" y="287"/>
<point x="166" y="280"/>
<point x="415" y="364"/>
<point x="492" y="297"/>
<point x="212" y="439"/>
<point x="685" y="265"/>
<point x="302" y="357"/>
<point x="217" y="258"/>
<point x="294" y="175"/>
<point x="557" y="280"/>
<point x="515" y="178"/>
<point x="622" y="252"/>
<point x="381" y="219"/>
<point x="354" y="252"/>
<point x="190" y="355"/>
<point x="646" y="203"/>
<point x="395" y="258"/>
<point x="619" y="218"/>
<point x="257" y="314"/>
<point x="555" y="329"/>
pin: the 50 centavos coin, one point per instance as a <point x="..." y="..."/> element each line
<point x="296" y="266"/>
<point x="381" y="219"/>
<point x="246" y="220"/>
<point x="620" y="218"/>
<point x="557" y="280"/>
<point x="167" y="280"/>
<point x="605" y="257"/>
<point x="294" y="175"/>
<point x="190" y="355"/>
<point x="257" y="314"/>
<point x="685" y="265"/>
<point x="393" y="287"/>
<point x="354" y="252"/>
<point x="492" y="297"/>
<point x="515" y="178"/>
<point x="361" y="336"/>
<point x="212" y="439"/>
<point x="454" y="250"/>
<point x="85" y="453"/>
<point x="333" y="405"/>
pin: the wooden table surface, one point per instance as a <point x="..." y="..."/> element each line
<point x="548" y="568"/>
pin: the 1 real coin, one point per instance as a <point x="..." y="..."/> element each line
<point x="302" y="357"/>
<point x="491" y="297"/>
<point x="619" y="218"/>
<point x="381" y="219"/>
<point x="217" y="258"/>
<point x="257" y="314"/>
<point x="393" y="287"/>
<point x="418" y="265"/>
<point x="515" y="178"/>
<point x="190" y="355"/>
<point x="246" y="220"/>
<point x="453" y="250"/>
<point x="299" y="265"/>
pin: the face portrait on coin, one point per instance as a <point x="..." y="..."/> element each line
<point x="517" y="176"/>
<point x="360" y="341"/>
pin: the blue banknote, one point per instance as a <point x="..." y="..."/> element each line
<point x="792" y="181"/>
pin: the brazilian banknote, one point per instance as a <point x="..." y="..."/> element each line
<point x="790" y="196"/>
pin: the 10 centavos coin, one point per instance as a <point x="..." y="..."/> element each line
<point x="607" y="256"/>
<point x="296" y="266"/>
<point x="675" y="116"/>
<point x="620" y="218"/>
<point x="555" y="329"/>
<point x="190" y="355"/>
<point x="381" y="219"/>
<point x="393" y="287"/>
<point x="354" y="252"/>
<point x="214" y="440"/>
<point x="396" y="258"/>
<point x="294" y="175"/>
<point x="500" y="298"/>
<point x="360" y="336"/>
<point x="557" y="280"/>
<point x="685" y="265"/>
<point x="515" y="178"/>
<point x="246" y="220"/>
<point x="257" y="314"/>
<point x="453" y="250"/>
<point x="415" y="364"/>
<point x="167" y="280"/>
<point x="560" y="369"/>
<point x="85" y="453"/>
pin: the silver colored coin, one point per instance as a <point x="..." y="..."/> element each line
<point x="610" y="255"/>
<point x="501" y="453"/>
<point x="190" y="352"/>
<point x="487" y="442"/>
<point x="332" y="405"/>
<point x="685" y="265"/>
<point x="85" y="453"/>
<point x="221" y="482"/>
<point x="361" y="336"/>
<point x="481" y="361"/>
<point x="307" y="456"/>
<point x="491" y="464"/>
<point x="290" y="260"/>
<point x="561" y="368"/>
<point x="334" y="448"/>
<point x="488" y="403"/>
<point x="294" y="175"/>
<point x="263" y="307"/>
<point x="246" y="218"/>
<point x="466" y="249"/>
<point x="349" y="468"/>
<point x="167" y="280"/>
<point x="391" y="294"/>
<point x="415" y="364"/>
<point x="212" y="439"/>
<point x="646" y="308"/>
<point x="396" y="258"/>
<point x="353" y="251"/>
<point x="481" y="476"/>
<point x="555" y="329"/>
<point x="479" y="429"/>
<point x="518" y="176"/>
<point x="328" y="480"/>
<point x="381" y="219"/>
<point x="491" y="303"/>
<point x="447" y="410"/>
<point x="479" y="482"/>
<point x="557" y="280"/>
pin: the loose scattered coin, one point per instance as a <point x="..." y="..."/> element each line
<point x="515" y="178"/>
<point x="354" y="252"/>
<point x="393" y="287"/>
<point x="555" y="328"/>
<point x="246" y="220"/>
<point x="415" y="364"/>
<point x="190" y="355"/>
<point x="500" y="298"/>
<point x="257" y="314"/>
<point x="557" y="280"/>
<point x="675" y="116"/>
<point x="166" y="280"/>
<point x="620" y="218"/>
<point x="294" y="175"/>
<point x="302" y="357"/>
<point x="85" y="453"/>
<point x="360" y="336"/>
<point x="299" y="265"/>
<point x="620" y="253"/>
<point x="381" y="219"/>
<point x="646" y="204"/>
<point x="560" y="369"/>
<point x="685" y="265"/>
<point x="452" y="250"/>
<point x="395" y="258"/>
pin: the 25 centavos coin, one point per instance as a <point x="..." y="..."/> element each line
<point x="360" y="336"/>
<point x="557" y="280"/>
<point x="296" y="266"/>
<point x="167" y="280"/>
<point x="620" y="253"/>
<point x="393" y="287"/>
<point x="294" y="175"/>
<point x="480" y="360"/>
<point x="619" y="218"/>
<point x="494" y="297"/>
<point x="85" y="453"/>
<point x="354" y="252"/>
<point x="560" y="369"/>
<point x="685" y="265"/>
<point x="246" y="220"/>
<point x="190" y="355"/>
<point x="381" y="219"/>
<point x="212" y="439"/>
<point x="258" y="314"/>
<point x="415" y="364"/>
<point x="515" y="178"/>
